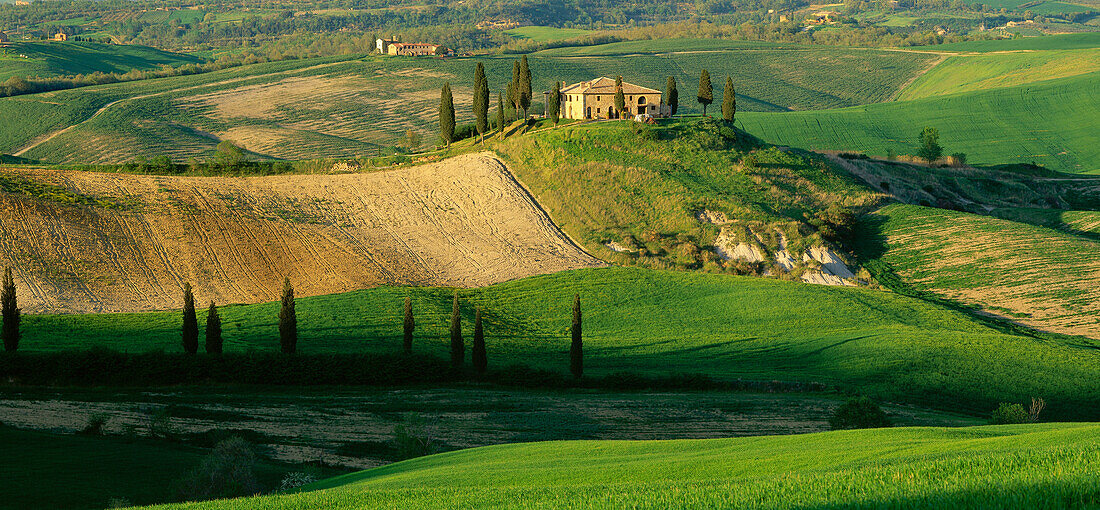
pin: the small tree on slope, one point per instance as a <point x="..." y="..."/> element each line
<point x="288" y="321"/>
<point x="929" y="149"/>
<point x="672" y="96"/>
<point x="706" y="91"/>
<point x="190" y="322"/>
<point x="729" y="101"/>
<point x="446" y="114"/>
<point x="10" y="312"/>
<point x="213" y="330"/>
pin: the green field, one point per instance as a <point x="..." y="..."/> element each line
<point x="661" y="322"/>
<point x="356" y="107"/>
<point x="986" y="71"/>
<point x="1050" y="42"/>
<point x="1024" y="466"/>
<point x="88" y="472"/>
<point x="48" y="59"/>
<point x="546" y="34"/>
<point x="1053" y="123"/>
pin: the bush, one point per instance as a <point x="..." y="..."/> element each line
<point x="859" y="413"/>
<point x="294" y="480"/>
<point x="229" y="471"/>
<point x="1007" y="413"/>
<point x="96" y="424"/>
<point x="415" y="437"/>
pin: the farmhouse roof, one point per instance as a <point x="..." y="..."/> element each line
<point x="605" y="85"/>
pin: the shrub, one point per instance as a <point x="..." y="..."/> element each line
<point x="1037" y="406"/>
<point x="1007" y="413"/>
<point x="957" y="159"/>
<point x="229" y="471"/>
<point x="294" y="480"/>
<point x="414" y="437"/>
<point x="859" y="413"/>
<point x="96" y="424"/>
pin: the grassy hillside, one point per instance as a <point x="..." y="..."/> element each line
<point x="1050" y="42"/>
<point x="1052" y="123"/>
<point x="47" y="59"/>
<point x="1029" y="466"/>
<point x="357" y="107"/>
<point x="985" y="71"/>
<point x="1032" y="274"/>
<point x="546" y="34"/>
<point x="88" y="472"/>
<point x="659" y="322"/>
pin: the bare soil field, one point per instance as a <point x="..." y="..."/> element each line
<point x="93" y="242"/>
<point x="355" y="428"/>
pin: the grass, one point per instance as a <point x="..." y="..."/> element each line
<point x="362" y="106"/>
<point x="47" y="59"/>
<point x="87" y="472"/>
<point x="1051" y="42"/>
<point x="661" y="322"/>
<point x="1052" y="123"/>
<point x="1023" y="466"/>
<point x="546" y="34"/>
<point x="987" y="71"/>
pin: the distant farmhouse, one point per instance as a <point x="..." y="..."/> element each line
<point x="396" y="47"/>
<point x="596" y="100"/>
<point x="60" y="36"/>
<point x="22" y="2"/>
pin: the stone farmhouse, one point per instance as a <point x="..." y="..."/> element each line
<point x="396" y="47"/>
<point x="596" y="100"/>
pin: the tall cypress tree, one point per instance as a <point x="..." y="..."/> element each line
<point x="10" y="312"/>
<point x="672" y="96"/>
<point x="446" y="114"/>
<point x="555" y="102"/>
<point x="576" y="354"/>
<point x="513" y="86"/>
<point x="477" y="355"/>
<point x="213" y="330"/>
<point x="729" y="101"/>
<point x="190" y="322"/>
<point x="620" y="99"/>
<point x="706" y="91"/>
<point x="458" y="348"/>
<point x="288" y="321"/>
<point x="524" y="92"/>
<point x="409" y="325"/>
<point x="500" y="114"/>
<point x="481" y="101"/>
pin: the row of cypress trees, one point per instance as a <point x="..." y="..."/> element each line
<point x="705" y="95"/>
<point x="288" y="323"/>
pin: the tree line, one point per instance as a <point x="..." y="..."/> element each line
<point x="288" y="327"/>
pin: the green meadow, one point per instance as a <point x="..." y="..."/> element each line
<point x="48" y="59"/>
<point x="660" y="323"/>
<point x="1053" y="123"/>
<point x="986" y="71"/>
<point x="1022" y="466"/>
<point x="1050" y="42"/>
<point x="546" y="34"/>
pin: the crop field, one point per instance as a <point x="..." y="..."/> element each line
<point x="129" y="242"/>
<point x="139" y="471"/>
<point x="70" y="58"/>
<point x="1031" y="274"/>
<point x="1051" y="42"/>
<point x="664" y="322"/>
<point x="1052" y="123"/>
<point x="986" y="71"/>
<point x="546" y="34"/>
<point x="348" y="109"/>
<point x="1040" y="466"/>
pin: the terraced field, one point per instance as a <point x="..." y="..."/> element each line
<point x="84" y="241"/>
<point x="325" y="108"/>
<point x="1035" y="275"/>
<point x="1041" y="466"/>
<point x="1053" y="123"/>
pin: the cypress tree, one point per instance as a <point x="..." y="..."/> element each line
<point x="481" y="363"/>
<point x="576" y="354"/>
<point x="620" y="100"/>
<point x="513" y="86"/>
<point x="458" y="348"/>
<point x="672" y="96"/>
<point x="481" y="101"/>
<point x="213" y="330"/>
<point x="288" y="321"/>
<point x="410" y="325"/>
<point x="729" y="101"/>
<point x="446" y="114"/>
<point x="190" y="322"/>
<point x="10" y="312"/>
<point x="524" y="92"/>
<point x="500" y="114"/>
<point x="555" y="102"/>
<point x="706" y="91"/>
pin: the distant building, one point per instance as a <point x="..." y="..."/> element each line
<point x="60" y="36"/>
<point x="396" y="47"/>
<point x="22" y="2"/>
<point x="596" y="100"/>
<point x="823" y="17"/>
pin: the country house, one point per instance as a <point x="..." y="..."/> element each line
<point x="596" y="100"/>
<point x="396" y="47"/>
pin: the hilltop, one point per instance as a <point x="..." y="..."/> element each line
<point x="53" y="58"/>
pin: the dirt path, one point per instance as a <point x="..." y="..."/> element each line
<point x="463" y="222"/>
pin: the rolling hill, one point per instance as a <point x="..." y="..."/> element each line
<point x="84" y="241"/>
<point x="1040" y="466"/>
<point x="974" y="72"/>
<point x="1053" y="123"/>
<point x="50" y="59"/>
